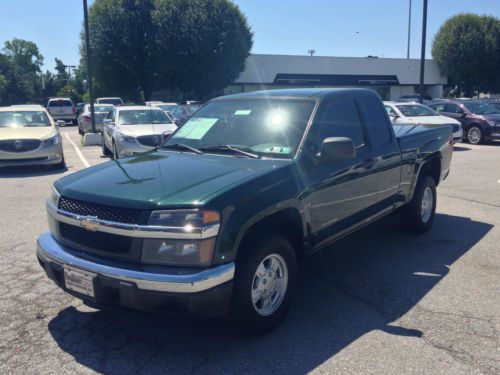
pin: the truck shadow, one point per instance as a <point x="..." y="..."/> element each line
<point x="363" y="283"/>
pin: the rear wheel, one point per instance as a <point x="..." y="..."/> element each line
<point x="418" y="214"/>
<point x="264" y="283"/>
<point x="80" y="131"/>
<point x="474" y="135"/>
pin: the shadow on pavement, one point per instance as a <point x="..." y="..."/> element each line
<point x="362" y="283"/>
<point x="460" y="148"/>
<point x="30" y="171"/>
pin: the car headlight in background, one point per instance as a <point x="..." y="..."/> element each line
<point x="493" y="123"/>
<point x="185" y="252"/>
<point x="55" y="140"/>
<point x="126" y="138"/>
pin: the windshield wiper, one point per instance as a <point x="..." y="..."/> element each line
<point x="182" y="146"/>
<point x="231" y="148"/>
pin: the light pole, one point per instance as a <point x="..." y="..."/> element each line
<point x="422" y="54"/>
<point x="409" y="32"/>
<point x="89" y="70"/>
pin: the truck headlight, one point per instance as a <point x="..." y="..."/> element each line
<point x="126" y="138"/>
<point x="54" y="196"/>
<point x="194" y="242"/>
<point x="55" y="140"/>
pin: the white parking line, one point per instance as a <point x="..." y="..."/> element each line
<point x="79" y="153"/>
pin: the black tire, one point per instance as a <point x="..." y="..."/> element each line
<point x="475" y="135"/>
<point x="80" y="131"/>
<point x="115" y="155"/>
<point x="243" y="309"/>
<point x="74" y="122"/>
<point x="60" y="165"/>
<point x="412" y="215"/>
<point x="105" y="149"/>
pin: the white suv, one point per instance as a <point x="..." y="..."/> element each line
<point x="131" y="130"/>
<point x="62" y="109"/>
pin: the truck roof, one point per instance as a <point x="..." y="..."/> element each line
<point x="292" y="93"/>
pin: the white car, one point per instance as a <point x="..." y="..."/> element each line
<point x="29" y="136"/>
<point x="85" y="118"/>
<point x="406" y="113"/>
<point x="131" y="130"/>
<point x="62" y="109"/>
<point x="112" y="100"/>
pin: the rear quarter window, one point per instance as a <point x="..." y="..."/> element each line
<point x="376" y="119"/>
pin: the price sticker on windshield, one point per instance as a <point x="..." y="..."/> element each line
<point x="196" y="128"/>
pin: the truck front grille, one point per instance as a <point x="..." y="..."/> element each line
<point x="151" y="140"/>
<point x="99" y="243"/>
<point x="19" y="145"/>
<point x="115" y="214"/>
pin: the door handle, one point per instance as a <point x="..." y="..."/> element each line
<point x="368" y="163"/>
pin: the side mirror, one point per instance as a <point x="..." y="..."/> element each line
<point x="393" y="116"/>
<point x="61" y="123"/>
<point x="337" y="148"/>
<point x="463" y="114"/>
<point x="108" y="122"/>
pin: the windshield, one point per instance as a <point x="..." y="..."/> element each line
<point x="480" y="108"/>
<point x="60" y="103"/>
<point x="99" y="108"/>
<point x="113" y="101"/>
<point x="416" y="110"/>
<point x="143" y="116"/>
<point x="167" y="107"/>
<point x="15" y="119"/>
<point x="272" y="127"/>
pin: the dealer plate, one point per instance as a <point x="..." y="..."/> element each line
<point x="79" y="281"/>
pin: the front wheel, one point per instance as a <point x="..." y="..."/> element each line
<point x="105" y="149"/>
<point x="474" y="135"/>
<point x="418" y="214"/>
<point x="115" y="151"/>
<point x="264" y="283"/>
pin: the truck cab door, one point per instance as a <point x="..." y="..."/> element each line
<point x="386" y="147"/>
<point x="343" y="193"/>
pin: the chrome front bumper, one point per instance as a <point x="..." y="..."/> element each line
<point x="51" y="251"/>
<point x="44" y="155"/>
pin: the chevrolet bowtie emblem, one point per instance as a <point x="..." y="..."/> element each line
<point x="90" y="224"/>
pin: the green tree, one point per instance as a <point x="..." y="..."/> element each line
<point x="467" y="49"/>
<point x="203" y="44"/>
<point x="20" y="66"/>
<point x="192" y="45"/>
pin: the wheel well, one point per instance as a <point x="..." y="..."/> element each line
<point x="287" y="222"/>
<point x="432" y="168"/>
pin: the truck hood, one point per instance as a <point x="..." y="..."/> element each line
<point x="39" y="132"/>
<point x="162" y="179"/>
<point x="430" y="120"/>
<point x="146" y="129"/>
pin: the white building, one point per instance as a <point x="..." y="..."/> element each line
<point x="391" y="78"/>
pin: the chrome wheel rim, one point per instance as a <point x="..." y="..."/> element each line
<point x="474" y="135"/>
<point x="269" y="284"/>
<point x="427" y="204"/>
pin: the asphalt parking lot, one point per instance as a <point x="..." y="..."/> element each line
<point x="379" y="301"/>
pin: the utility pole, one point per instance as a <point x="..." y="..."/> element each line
<point x="89" y="70"/>
<point x="422" y="54"/>
<point x="409" y="32"/>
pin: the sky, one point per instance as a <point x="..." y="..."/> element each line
<point x="330" y="27"/>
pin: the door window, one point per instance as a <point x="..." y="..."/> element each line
<point x="452" y="108"/>
<point x="341" y="119"/>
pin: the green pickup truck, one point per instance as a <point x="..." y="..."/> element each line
<point x="218" y="218"/>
